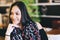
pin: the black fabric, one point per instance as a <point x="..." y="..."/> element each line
<point x="43" y="34"/>
<point x="30" y="32"/>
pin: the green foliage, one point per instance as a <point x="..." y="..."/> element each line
<point x="32" y="10"/>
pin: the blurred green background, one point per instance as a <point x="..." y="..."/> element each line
<point x="32" y="10"/>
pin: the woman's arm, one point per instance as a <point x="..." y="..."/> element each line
<point x="7" y="37"/>
<point x="42" y="32"/>
<point x="8" y="32"/>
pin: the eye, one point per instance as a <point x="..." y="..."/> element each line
<point x="17" y="13"/>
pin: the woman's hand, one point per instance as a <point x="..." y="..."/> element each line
<point x="39" y="26"/>
<point x="10" y="28"/>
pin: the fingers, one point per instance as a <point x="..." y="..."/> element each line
<point x="9" y="29"/>
<point x="13" y="25"/>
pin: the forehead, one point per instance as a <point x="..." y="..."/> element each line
<point x="15" y="8"/>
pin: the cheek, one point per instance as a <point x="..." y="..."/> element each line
<point x="10" y="16"/>
<point x="19" y="18"/>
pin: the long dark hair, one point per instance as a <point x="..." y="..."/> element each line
<point x="25" y="17"/>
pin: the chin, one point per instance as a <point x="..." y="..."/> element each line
<point x="16" y="23"/>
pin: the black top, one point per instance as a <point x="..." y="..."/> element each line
<point x="29" y="32"/>
<point x="18" y="35"/>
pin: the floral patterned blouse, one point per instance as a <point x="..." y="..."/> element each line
<point x="30" y="32"/>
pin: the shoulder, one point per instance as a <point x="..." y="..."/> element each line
<point x="39" y="26"/>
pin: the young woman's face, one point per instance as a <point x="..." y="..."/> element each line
<point x="15" y="15"/>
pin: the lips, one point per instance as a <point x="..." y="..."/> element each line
<point x="15" y="21"/>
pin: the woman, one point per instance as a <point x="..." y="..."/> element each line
<point x="21" y="26"/>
